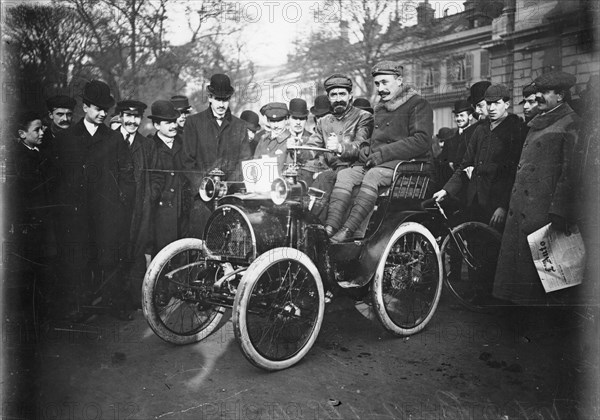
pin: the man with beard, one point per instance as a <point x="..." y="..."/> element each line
<point x="144" y="156"/>
<point x="530" y="106"/>
<point x="213" y="138"/>
<point x="490" y="161"/>
<point x="543" y="190"/>
<point x="60" y="113"/>
<point x="95" y="190"/>
<point x="403" y="131"/>
<point x="172" y="192"/>
<point x="344" y="131"/>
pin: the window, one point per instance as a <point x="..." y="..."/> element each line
<point x="457" y="69"/>
<point x="428" y="75"/>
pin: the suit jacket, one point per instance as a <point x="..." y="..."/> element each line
<point x="494" y="154"/>
<point x="206" y="146"/>
<point x="95" y="189"/>
<point x="274" y="147"/>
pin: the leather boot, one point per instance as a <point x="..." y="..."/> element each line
<point x="342" y="235"/>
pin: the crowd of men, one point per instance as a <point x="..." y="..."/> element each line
<point x="95" y="204"/>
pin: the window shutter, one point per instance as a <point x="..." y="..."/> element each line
<point x="418" y="73"/>
<point x="484" y="63"/>
<point x="468" y="66"/>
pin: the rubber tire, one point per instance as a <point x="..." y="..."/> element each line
<point x="242" y="298"/>
<point x="377" y="287"/>
<point x="149" y="309"/>
<point x="444" y="249"/>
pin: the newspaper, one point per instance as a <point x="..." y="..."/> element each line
<point x="558" y="258"/>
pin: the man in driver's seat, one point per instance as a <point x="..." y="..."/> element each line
<point x="403" y="131"/>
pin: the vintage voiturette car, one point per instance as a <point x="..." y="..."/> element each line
<point x="269" y="258"/>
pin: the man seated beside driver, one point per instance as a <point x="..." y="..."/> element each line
<point x="273" y="143"/>
<point x="403" y="131"/>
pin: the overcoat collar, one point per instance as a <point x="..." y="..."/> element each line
<point x="101" y="133"/>
<point x="541" y="121"/>
<point x="399" y="99"/>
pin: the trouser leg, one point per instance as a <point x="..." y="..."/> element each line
<point x="341" y="195"/>
<point x="365" y="201"/>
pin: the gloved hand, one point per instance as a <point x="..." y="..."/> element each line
<point x="374" y="159"/>
<point x="363" y="154"/>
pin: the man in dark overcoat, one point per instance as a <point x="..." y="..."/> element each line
<point x="487" y="170"/>
<point x="144" y="156"/>
<point x="213" y="138"/>
<point x="171" y="191"/>
<point x="95" y="192"/>
<point x="542" y="192"/>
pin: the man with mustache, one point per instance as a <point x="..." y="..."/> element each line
<point x="95" y="192"/>
<point x="345" y="130"/>
<point x="213" y="138"/>
<point x="476" y="97"/>
<point x="60" y="112"/>
<point x="530" y="106"/>
<point x="403" y="131"/>
<point x="144" y="156"/>
<point x="543" y="190"/>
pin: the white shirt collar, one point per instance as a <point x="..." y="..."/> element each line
<point x="166" y="140"/>
<point x="91" y="128"/>
<point x="125" y="134"/>
<point x="30" y="147"/>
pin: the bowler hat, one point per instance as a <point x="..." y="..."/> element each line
<point x="528" y="90"/>
<point x="363" y="104"/>
<point x="554" y="80"/>
<point x="131" y="107"/>
<point x="321" y="107"/>
<point x="445" y="133"/>
<point x="496" y="92"/>
<point x="478" y="92"/>
<point x="163" y="111"/>
<point x="276" y="111"/>
<point x="220" y="86"/>
<point x="462" y="105"/>
<point x="181" y="103"/>
<point x="337" y="80"/>
<point x="251" y="119"/>
<point x="387" y="67"/>
<point x="60" y="101"/>
<point x="298" y="108"/>
<point x="97" y="93"/>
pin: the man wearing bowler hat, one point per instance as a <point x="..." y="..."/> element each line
<point x="320" y="108"/>
<point x="144" y="156"/>
<point x="182" y="104"/>
<point x="477" y="100"/>
<point x="252" y="122"/>
<point x="213" y="138"/>
<point x="543" y="190"/>
<point x="487" y="170"/>
<point x="95" y="192"/>
<point x="457" y="145"/>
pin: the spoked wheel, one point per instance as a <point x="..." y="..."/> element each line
<point x="408" y="281"/>
<point x="175" y="293"/>
<point x="278" y="308"/>
<point x="470" y="264"/>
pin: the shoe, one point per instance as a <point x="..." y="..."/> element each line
<point x="330" y="231"/>
<point x="342" y="235"/>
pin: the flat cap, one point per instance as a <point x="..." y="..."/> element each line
<point x="387" y="67"/>
<point x="496" y="92"/>
<point x="337" y="80"/>
<point x="554" y="80"/>
<point x="275" y="111"/>
<point x="131" y="106"/>
<point x="60" y="101"/>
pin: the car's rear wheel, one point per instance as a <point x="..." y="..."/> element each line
<point x="408" y="282"/>
<point x="176" y="291"/>
<point x="278" y="308"/>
